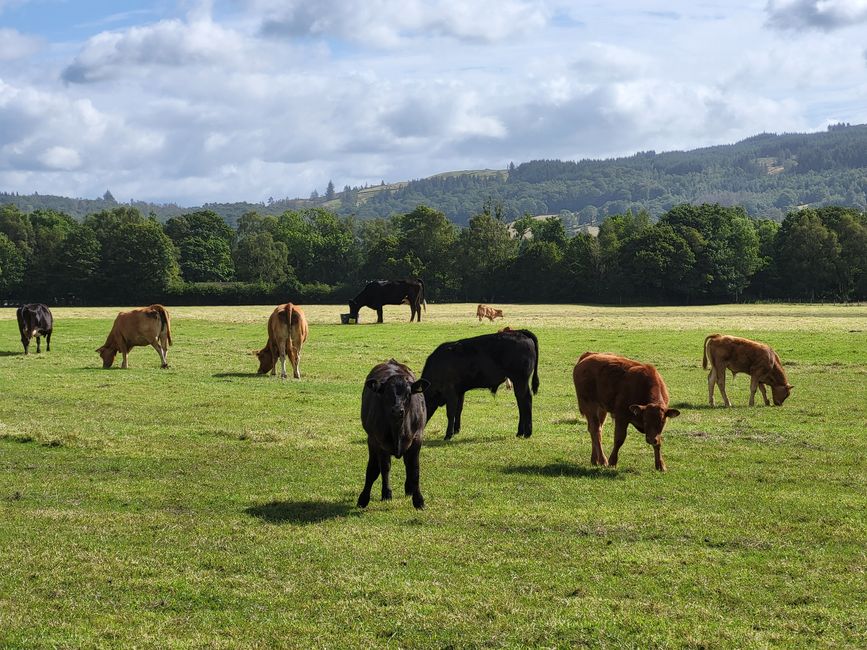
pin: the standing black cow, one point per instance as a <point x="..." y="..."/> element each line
<point x="393" y="415"/>
<point x="390" y="292"/>
<point x="36" y="320"/>
<point x="483" y="362"/>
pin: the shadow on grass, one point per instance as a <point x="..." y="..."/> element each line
<point x="442" y="442"/>
<point x="697" y="407"/>
<point x="237" y="374"/>
<point x="568" y="469"/>
<point x="301" y="512"/>
<point x="9" y="353"/>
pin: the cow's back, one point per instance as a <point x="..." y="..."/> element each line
<point x="613" y="382"/>
<point x="739" y="354"/>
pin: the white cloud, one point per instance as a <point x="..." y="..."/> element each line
<point x="826" y="15"/>
<point x="390" y="23"/>
<point x="14" y="45"/>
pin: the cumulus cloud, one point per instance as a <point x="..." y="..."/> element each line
<point x="388" y="23"/>
<point x="168" y="43"/>
<point x="825" y="15"/>
<point x="14" y="45"/>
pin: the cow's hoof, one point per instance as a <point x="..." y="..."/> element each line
<point x="284" y="376"/>
<point x="164" y="366"/>
<point x="418" y="504"/>
<point x="386" y="496"/>
<point x="449" y="436"/>
<point x="363" y="500"/>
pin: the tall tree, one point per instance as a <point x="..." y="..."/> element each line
<point x="484" y="249"/>
<point x="808" y="257"/>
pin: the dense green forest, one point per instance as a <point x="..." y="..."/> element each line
<point x="767" y="175"/>
<point x="692" y="254"/>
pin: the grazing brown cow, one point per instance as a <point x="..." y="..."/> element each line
<point x="143" y="326"/>
<point x="743" y="355"/>
<point x="485" y="311"/>
<point x="633" y="392"/>
<point x="287" y="331"/>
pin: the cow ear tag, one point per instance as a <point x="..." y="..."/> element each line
<point x="636" y="408"/>
<point x="419" y="386"/>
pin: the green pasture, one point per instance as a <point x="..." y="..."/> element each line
<point x="206" y="506"/>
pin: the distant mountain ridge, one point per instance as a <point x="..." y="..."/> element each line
<point x="767" y="174"/>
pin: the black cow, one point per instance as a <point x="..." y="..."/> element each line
<point x="393" y="415"/>
<point x="390" y="292"/>
<point x="483" y="362"/>
<point x="36" y="320"/>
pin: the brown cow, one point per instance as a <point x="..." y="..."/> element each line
<point x="287" y="331"/>
<point x="633" y="392"/>
<point x="743" y="355"/>
<point x="143" y="326"/>
<point x="485" y="311"/>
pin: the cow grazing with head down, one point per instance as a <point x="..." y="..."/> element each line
<point x="393" y="415"/>
<point x="483" y="362"/>
<point x="287" y="332"/>
<point x="35" y="319"/>
<point x="485" y="311"/>
<point x="143" y="326"/>
<point x="633" y="392"/>
<point x="756" y="359"/>
<point x="390" y="292"/>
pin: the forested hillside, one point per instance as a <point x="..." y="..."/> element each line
<point x="767" y="175"/>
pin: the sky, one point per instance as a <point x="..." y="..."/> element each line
<point x="192" y="101"/>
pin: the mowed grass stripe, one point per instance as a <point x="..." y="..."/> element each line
<point x="208" y="506"/>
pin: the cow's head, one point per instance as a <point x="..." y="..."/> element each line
<point x="650" y="419"/>
<point x="498" y="313"/>
<point x="395" y="395"/>
<point x="780" y="393"/>
<point x="266" y="360"/>
<point x="353" y="309"/>
<point x="108" y="355"/>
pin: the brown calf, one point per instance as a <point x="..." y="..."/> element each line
<point x="633" y="392"/>
<point x="743" y="355"/>
<point x="143" y="326"/>
<point x="484" y="311"/>
<point x="287" y="331"/>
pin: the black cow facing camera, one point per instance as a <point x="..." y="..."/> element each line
<point x="36" y="320"/>
<point x="393" y="415"/>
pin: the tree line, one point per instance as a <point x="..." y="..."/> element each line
<point x="692" y="254"/>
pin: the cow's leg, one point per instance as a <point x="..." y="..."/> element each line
<point x="657" y="457"/>
<point x="451" y="409"/>
<point x="764" y="394"/>
<point x="411" y="487"/>
<point x="379" y="314"/>
<point x="385" y="469"/>
<point x="721" y="382"/>
<point x="459" y="408"/>
<point x="525" y="407"/>
<point x="125" y="363"/>
<point x="594" y="427"/>
<point x="369" y="478"/>
<point x="38" y="340"/>
<point x="283" y="374"/>
<point x="619" y="438"/>
<point x="754" y="384"/>
<point x="26" y="343"/>
<point x="711" y="381"/>
<point x="48" y="342"/>
<point x="157" y="345"/>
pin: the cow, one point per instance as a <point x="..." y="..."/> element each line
<point x="633" y="392"/>
<point x="287" y="332"/>
<point x="35" y="319"/>
<point x="743" y="355"/>
<point x="390" y="292"/>
<point x="483" y="362"/>
<point x="393" y="414"/>
<point x="143" y="326"/>
<point x="484" y="311"/>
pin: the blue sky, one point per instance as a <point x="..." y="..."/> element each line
<point x="191" y="101"/>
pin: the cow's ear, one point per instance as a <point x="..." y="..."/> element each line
<point x="636" y="409"/>
<point x="419" y="386"/>
<point x="99" y="350"/>
<point x="672" y="413"/>
<point x="373" y="385"/>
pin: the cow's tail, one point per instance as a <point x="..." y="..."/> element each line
<point x="165" y="320"/>
<point x="421" y="299"/>
<point x="531" y="336"/>
<point x="287" y="314"/>
<point x="704" y="350"/>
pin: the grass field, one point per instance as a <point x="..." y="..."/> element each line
<point x="206" y="506"/>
